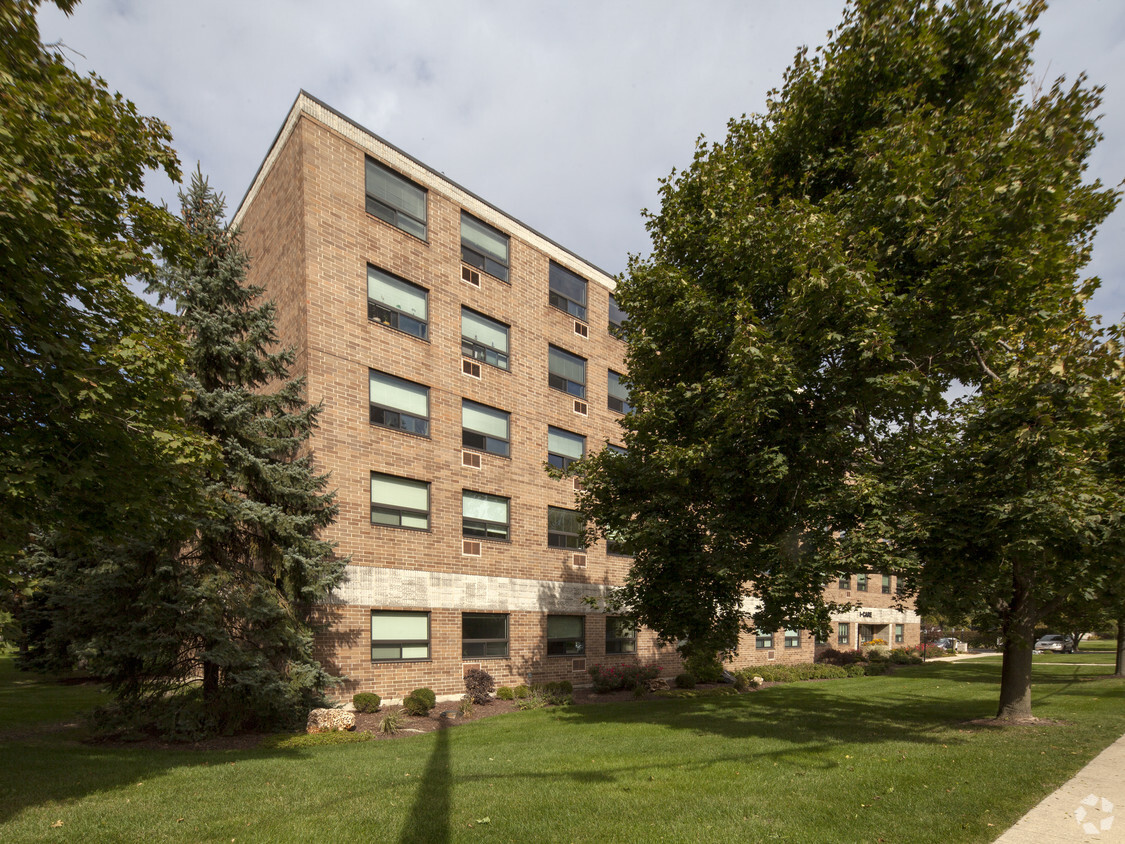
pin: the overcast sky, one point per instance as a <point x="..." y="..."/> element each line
<point x="563" y="114"/>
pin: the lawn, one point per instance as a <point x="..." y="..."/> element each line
<point x="867" y="759"/>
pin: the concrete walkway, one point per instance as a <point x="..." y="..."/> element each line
<point x="1088" y="808"/>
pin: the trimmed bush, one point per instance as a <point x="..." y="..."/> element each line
<point x="479" y="684"/>
<point x="366" y="702"/>
<point x="848" y="657"/>
<point x="521" y="692"/>
<point x="856" y="670"/>
<point x="426" y="695"/>
<point x="876" y="668"/>
<point x="903" y="656"/>
<point x="790" y="673"/>
<point x="415" y="704"/>
<point x="686" y="680"/>
<point x="505" y="693"/>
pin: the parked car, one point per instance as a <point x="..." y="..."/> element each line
<point x="948" y="644"/>
<point x="1055" y="642"/>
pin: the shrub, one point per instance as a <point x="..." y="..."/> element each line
<point x="533" y="699"/>
<point x="705" y="667"/>
<point x="426" y="695"/>
<point x="876" y="668"/>
<point x="554" y="693"/>
<point x="611" y="678"/>
<point x="366" y="702"/>
<point x="521" y="691"/>
<point x="789" y="673"/>
<point x="686" y="680"/>
<point x="392" y="722"/>
<point x="903" y="656"/>
<point x="505" y="693"/>
<point x="848" y="657"/>
<point x="479" y="684"/>
<point x="465" y="707"/>
<point x="415" y="704"/>
<point x="742" y="682"/>
<point x="857" y="669"/>
<point x="878" y="655"/>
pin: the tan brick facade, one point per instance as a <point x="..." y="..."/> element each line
<point x="305" y="226"/>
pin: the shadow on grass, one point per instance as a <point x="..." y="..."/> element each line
<point x="429" y="818"/>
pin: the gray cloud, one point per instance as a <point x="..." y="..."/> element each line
<point x="563" y="114"/>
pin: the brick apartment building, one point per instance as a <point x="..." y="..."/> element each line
<point x="455" y="351"/>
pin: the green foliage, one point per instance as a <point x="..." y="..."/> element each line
<point x="521" y="691"/>
<point x="704" y="666"/>
<point x="465" y="707"/>
<point x="366" y="702"/>
<point x="904" y="656"/>
<point x="857" y="669"/>
<point x="611" y="678"/>
<point x="832" y="656"/>
<point x="901" y="219"/>
<point x="90" y="400"/>
<point x="792" y="673"/>
<point x="418" y="703"/>
<point x="479" y="684"/>
<point x="685" y="680"/>
<point x="505" y="693"/>
<point x="875" y="669"/>
<point x="392" y="722"/>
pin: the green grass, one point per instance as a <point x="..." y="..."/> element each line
<point x="864" y="759"/>
<point x="28" y="698"/>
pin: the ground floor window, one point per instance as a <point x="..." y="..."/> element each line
<point x="763" y="640"/>
<point x="566" y="635"/>
<point x="399" y="636"/>
<point x="792" y="638"/>
<point x="484" y="635"/>
<point x="620" y="636"/>
<point x="900" y="634"/>
<point x="843" y="630"/>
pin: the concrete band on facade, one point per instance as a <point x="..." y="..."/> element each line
<point x="377" y="587"/>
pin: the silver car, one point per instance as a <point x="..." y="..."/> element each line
<point x="1055" y="642"/>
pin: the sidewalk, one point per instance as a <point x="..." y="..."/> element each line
<point x="1088" y="808"/>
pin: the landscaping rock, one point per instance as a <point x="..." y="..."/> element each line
<point x="756" y="681"/>
<point x="330" y="721"/>
<point x="657" y="685"/>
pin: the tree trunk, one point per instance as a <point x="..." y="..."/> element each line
<point x="210" y="681"/>
<point x="1119" y="668"/>
<point x="1015" y="675"/>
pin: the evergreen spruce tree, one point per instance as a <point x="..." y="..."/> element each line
<point x="254" y="565"/>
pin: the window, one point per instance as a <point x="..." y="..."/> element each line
<point x="568" y="291"/>
<point x="616" y="317"/>
<point x="861" y="582"/>
<point x="845" y="582"/>
<point x="563" y="447"/>
<point x="620" y="635"/>
<point x="792" y="638"/>
<point x="484" y="516"/>
<point x="900" y="634"/>
<point x="397" y="303"/>
<point x="484" y="339"/>
<point x="763" y="640"/>
<point x="564" y="528"/>
<point x="566" y="635"/>
<point x="399" y="404"/>
<point x="886" y="584"/>
<point x="399" y="502"/>
<point x="842" y="629"/>
<point x="483" y="635"/>
<point x="616" y="449"/>
<point x="484" y="247"/>
<point x="484" y="428"/>
<point x="396" y="200"/>
<point x="566" y="372"/>
<point x="399" y="635"/>
<point x="618" y="394"/>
